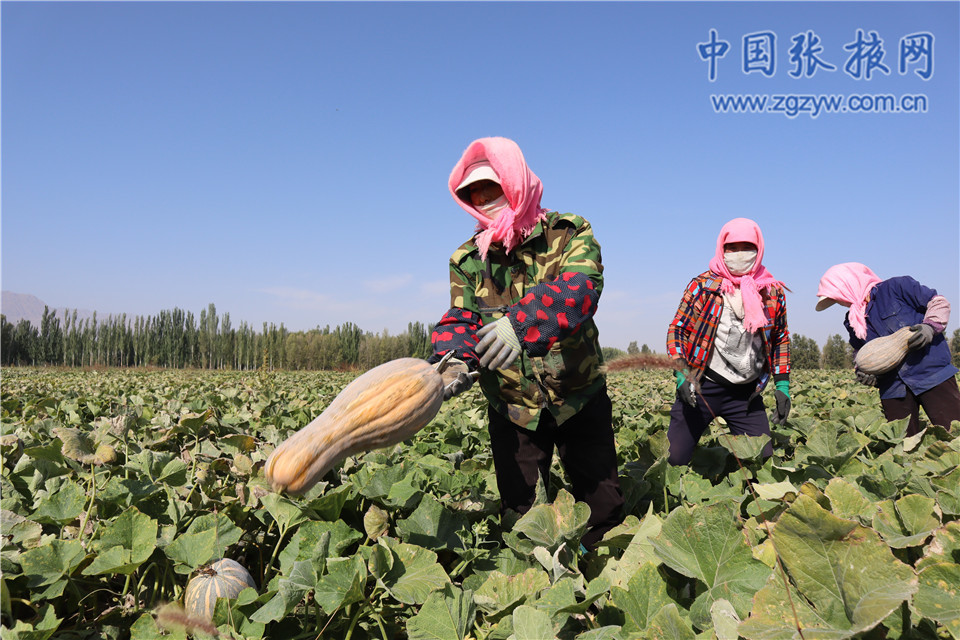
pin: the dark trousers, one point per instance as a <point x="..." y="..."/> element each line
<point x="941" y="404"/>
<point x="743" y="411"/>
<point x="585" y="443"/>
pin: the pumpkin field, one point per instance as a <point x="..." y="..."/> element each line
<point x="119" y="486"/>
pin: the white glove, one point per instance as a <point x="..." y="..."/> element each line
<point x="499" y="346"/>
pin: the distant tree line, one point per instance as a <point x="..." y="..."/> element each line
<point x="178" y="339"/>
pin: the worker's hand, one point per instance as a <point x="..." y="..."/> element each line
<point x="865" y="378"/>
<point x="921" y="337"/>
<point x="782" y="410"/>
<point x="457" y="377"/>
<point x="499" y="346"/>
<point x="685" y="390"/>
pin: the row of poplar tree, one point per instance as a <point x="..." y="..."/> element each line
<point x="179" y="339"/>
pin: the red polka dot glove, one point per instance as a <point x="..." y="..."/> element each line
<point x="499" y="347"/>
<point x="457" y="330"/>
<point x="552" y="311"/>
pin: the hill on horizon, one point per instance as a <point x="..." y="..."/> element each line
<point x="24" y="306"/>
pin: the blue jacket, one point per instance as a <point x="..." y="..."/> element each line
<point x="902" y="302"/>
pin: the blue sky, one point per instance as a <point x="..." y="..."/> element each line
<point x="288" y="161"/>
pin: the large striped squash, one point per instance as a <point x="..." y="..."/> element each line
<point x="224" y="578"/>
<point x="881" y="355"/>
<point x="384" y="406"/>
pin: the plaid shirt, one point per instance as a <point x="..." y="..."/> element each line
<point x="694" y="328"/>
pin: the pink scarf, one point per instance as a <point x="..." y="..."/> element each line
<point x="521" y="187"/>
<point x="850" y="282"/>
<point x="750" y="284"/>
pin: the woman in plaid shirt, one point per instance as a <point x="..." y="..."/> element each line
<point x="728" y="337"/>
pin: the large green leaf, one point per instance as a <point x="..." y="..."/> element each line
<point x="415" y="573"/>
<point x="530" y="623"/>
<point x="550" y="525"/>
<point x="125" y="544"/>
<point x="638" y="552"/>
<point x="501" y="593"/>
<point x="191" y="550"/>
<point x="668" y="624"/>
<point x="44" y="628"/>
<point x="845" y="579"/>
<point x="45" y="565"/>
<point x="938" y="595"/>
<point x="446" y="614"/>
<point x="847" y="501"/>
<point x="908" y="522"/>
<point x="291" y="589"/>
<point x="706" y="543"/>
<point x="433" y="526"/>
<point x="63" y="506"/>
<point x="343" y="584"/>
<point x="644" y="596"/>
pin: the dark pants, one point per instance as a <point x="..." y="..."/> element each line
<point x="586" y="446"/>
<point x="743" y="411"/>
<point x="941" y="404"/>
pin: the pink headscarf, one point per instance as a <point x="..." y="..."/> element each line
<point x="521" y="187"/>
<point x="750" y="284"/>
<point x="850" y="282"/>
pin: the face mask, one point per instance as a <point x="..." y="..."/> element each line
<point x="492" y="208"/>
<point x="740" y="262"/>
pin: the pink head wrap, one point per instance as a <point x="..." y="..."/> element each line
<point x="850" y="282"/>
<point x="521" y="187"/>
<point x="750" y="284"/>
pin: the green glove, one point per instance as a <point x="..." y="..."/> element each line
<point x="685" y="390"/>
<point x="782" y="395"/>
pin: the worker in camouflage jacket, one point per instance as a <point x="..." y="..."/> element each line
<point x="523" y="292"/>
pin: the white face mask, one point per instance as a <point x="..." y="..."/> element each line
<point x="740" y="262"/>
<point x="492" y="208"/>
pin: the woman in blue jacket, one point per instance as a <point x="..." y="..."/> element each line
<point x="878" y="308"/>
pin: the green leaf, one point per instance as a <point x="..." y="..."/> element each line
<point x="847" y="501"/>
<point x="638" y="552"/>
<point x="415" y="573"/>
<point x="669" y="625"/>
<point x="725" y="620"/>
<point x="501" y="593"/>
<point x="645" y="595"/>
<point x="191" y="550"/>
<point x="529" y="623"/>
<point x="433" y="526"/>
<point x="938" y="595"/>
<point x="550" y="525"/>
<point x="61" y="507"/>
<point x="290" y="592"/>
<point x="745" y="448"/>
<point x="125" y="544"/>
<point x="447" y="614"/>
<point x="43" y="629"/>
<point x="343" y="584"/>
<point x="775" y="490"/>
<point x="908" y="522"/>
<point x="826" y="447"/>
<point x="284" y="511"/>
<point x="846" y="578"/>
<point x="227" y="533"/>
<point x="706" y="543"/>
<point x="943" y="547"/>
<point x="46" y="564"/>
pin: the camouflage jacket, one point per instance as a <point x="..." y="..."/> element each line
<point x="548" y="287"/>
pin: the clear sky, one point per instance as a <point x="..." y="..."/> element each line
<point x="288" y="161"/>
